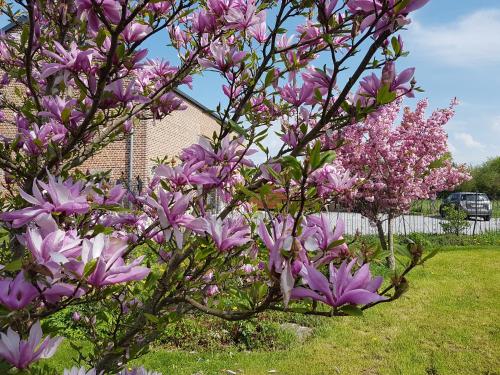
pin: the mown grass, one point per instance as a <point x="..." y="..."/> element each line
<point x="447" y="323"/>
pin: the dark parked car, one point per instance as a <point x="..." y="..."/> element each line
<point x="473" y="204"/>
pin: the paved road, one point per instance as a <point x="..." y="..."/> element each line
<point x="409" y="223"/>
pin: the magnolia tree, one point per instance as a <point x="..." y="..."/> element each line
<point x="398" y="164"/>
<point x="81" y="80"/>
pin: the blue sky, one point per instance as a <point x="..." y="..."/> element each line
<point x="455" y="47"/>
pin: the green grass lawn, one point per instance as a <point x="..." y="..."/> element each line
<point x="448" y="323"/>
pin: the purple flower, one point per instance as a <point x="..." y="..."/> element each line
<point x="54" y="107"/>
<point x="21" y="353"/>
<point x="55" y="248"/>
<point x="211" y="290"/>
<point x="171" y="209"/>
<point x="15" y="294"/>
<point x="229" y="233"/>
<point x="55" y="292"/>
<point x="65" y="197"/>
<point x="135" y="31"/>
<point x="341" y="288"/>
<point x="188" y="173"/>
<point x="244" y="16"/>
<point x="118" y="93"/>
<point x="110" y="8"/>
<point x="318" y="234"/>
<point x="113" y="196"/>
<point x="279" y="239"/>
<point x="76" y="316"/>
<point x="110" y="267"/>
<point x="298" y="96"/>
<point x="224" y="57"/>
<point x="399" y="83"/>
<point x="74" y="60"/>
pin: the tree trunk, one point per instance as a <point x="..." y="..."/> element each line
<point x="381" y="235"/>
<point x="390" y="239"/>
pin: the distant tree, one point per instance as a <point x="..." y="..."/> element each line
<point x="485" y="179"/>
<point x="398" y="164"/>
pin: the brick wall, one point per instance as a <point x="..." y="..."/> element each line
<point x="177" y="131"/>
<point x="151" y="140"/>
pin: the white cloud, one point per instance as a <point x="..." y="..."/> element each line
<point x="470" y="41"/>
<point x="468" y="140"/>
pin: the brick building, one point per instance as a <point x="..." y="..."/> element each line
<point x="135" y="155"/>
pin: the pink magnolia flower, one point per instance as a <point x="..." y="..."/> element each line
<point x="54" y="292"/>
<point x="111" y="268"/>
<point x="224" y="57"/>
<point x="220" y="7"/>
<point x="21" y="353"/>
<point x="171" y="210"/>
<point x="55" y="105"/>
<point x="395" y="14"/>
<point x="135" y="31"/>
<point x="65" y="197"/>
<point x="35" y="140"/>
<point x="119" y="93"/>
<point x="112" y="197"/>
<point x="54" y="249"/>
<point x="298" y="95"/>
<point x="229" y="233"/>
<point x="160" y="7"/>
<point x="16" y="294"/>
<point x="280" y="238"/>
<point x="110" y="8"/>
<point x="187" y="173"/>
<point x="166" y="104"/>
<point x="331" y="179"/>
<point x="74" y="60"/>
<point x="259" y="31"/>
<point x="203" y="22"/>
<point x="211" y="290"/>
<point x="244" y="15"/>
<point x="319" y="233"/>
<point x="370" y="85"/>
<point x="341" y="288"/>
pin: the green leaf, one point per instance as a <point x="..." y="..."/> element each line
<point x="65" y="114"/>
<point x="101" y="37"/>
<point x="432" y="254"/>
<point x="395" y="45"/>
<point x="89" y="268"/>
<point x="336" y="243"/>
<point x="25" y="34"/>
<point x="314" y="156"/>
<point x="15" y="265"/>
<point x="385" y="96"/>
<point x="352" y="310"/>
<point x="269" y="77"/>
<point x="237" y="128"/>
<point x="401" y="5"/>
<point x="151" y="318"/>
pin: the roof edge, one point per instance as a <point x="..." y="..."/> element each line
<point x="22" y="19"/>
<point x="197" y="104"/>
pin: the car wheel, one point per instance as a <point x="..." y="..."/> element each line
<point x="487" y="218"/>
